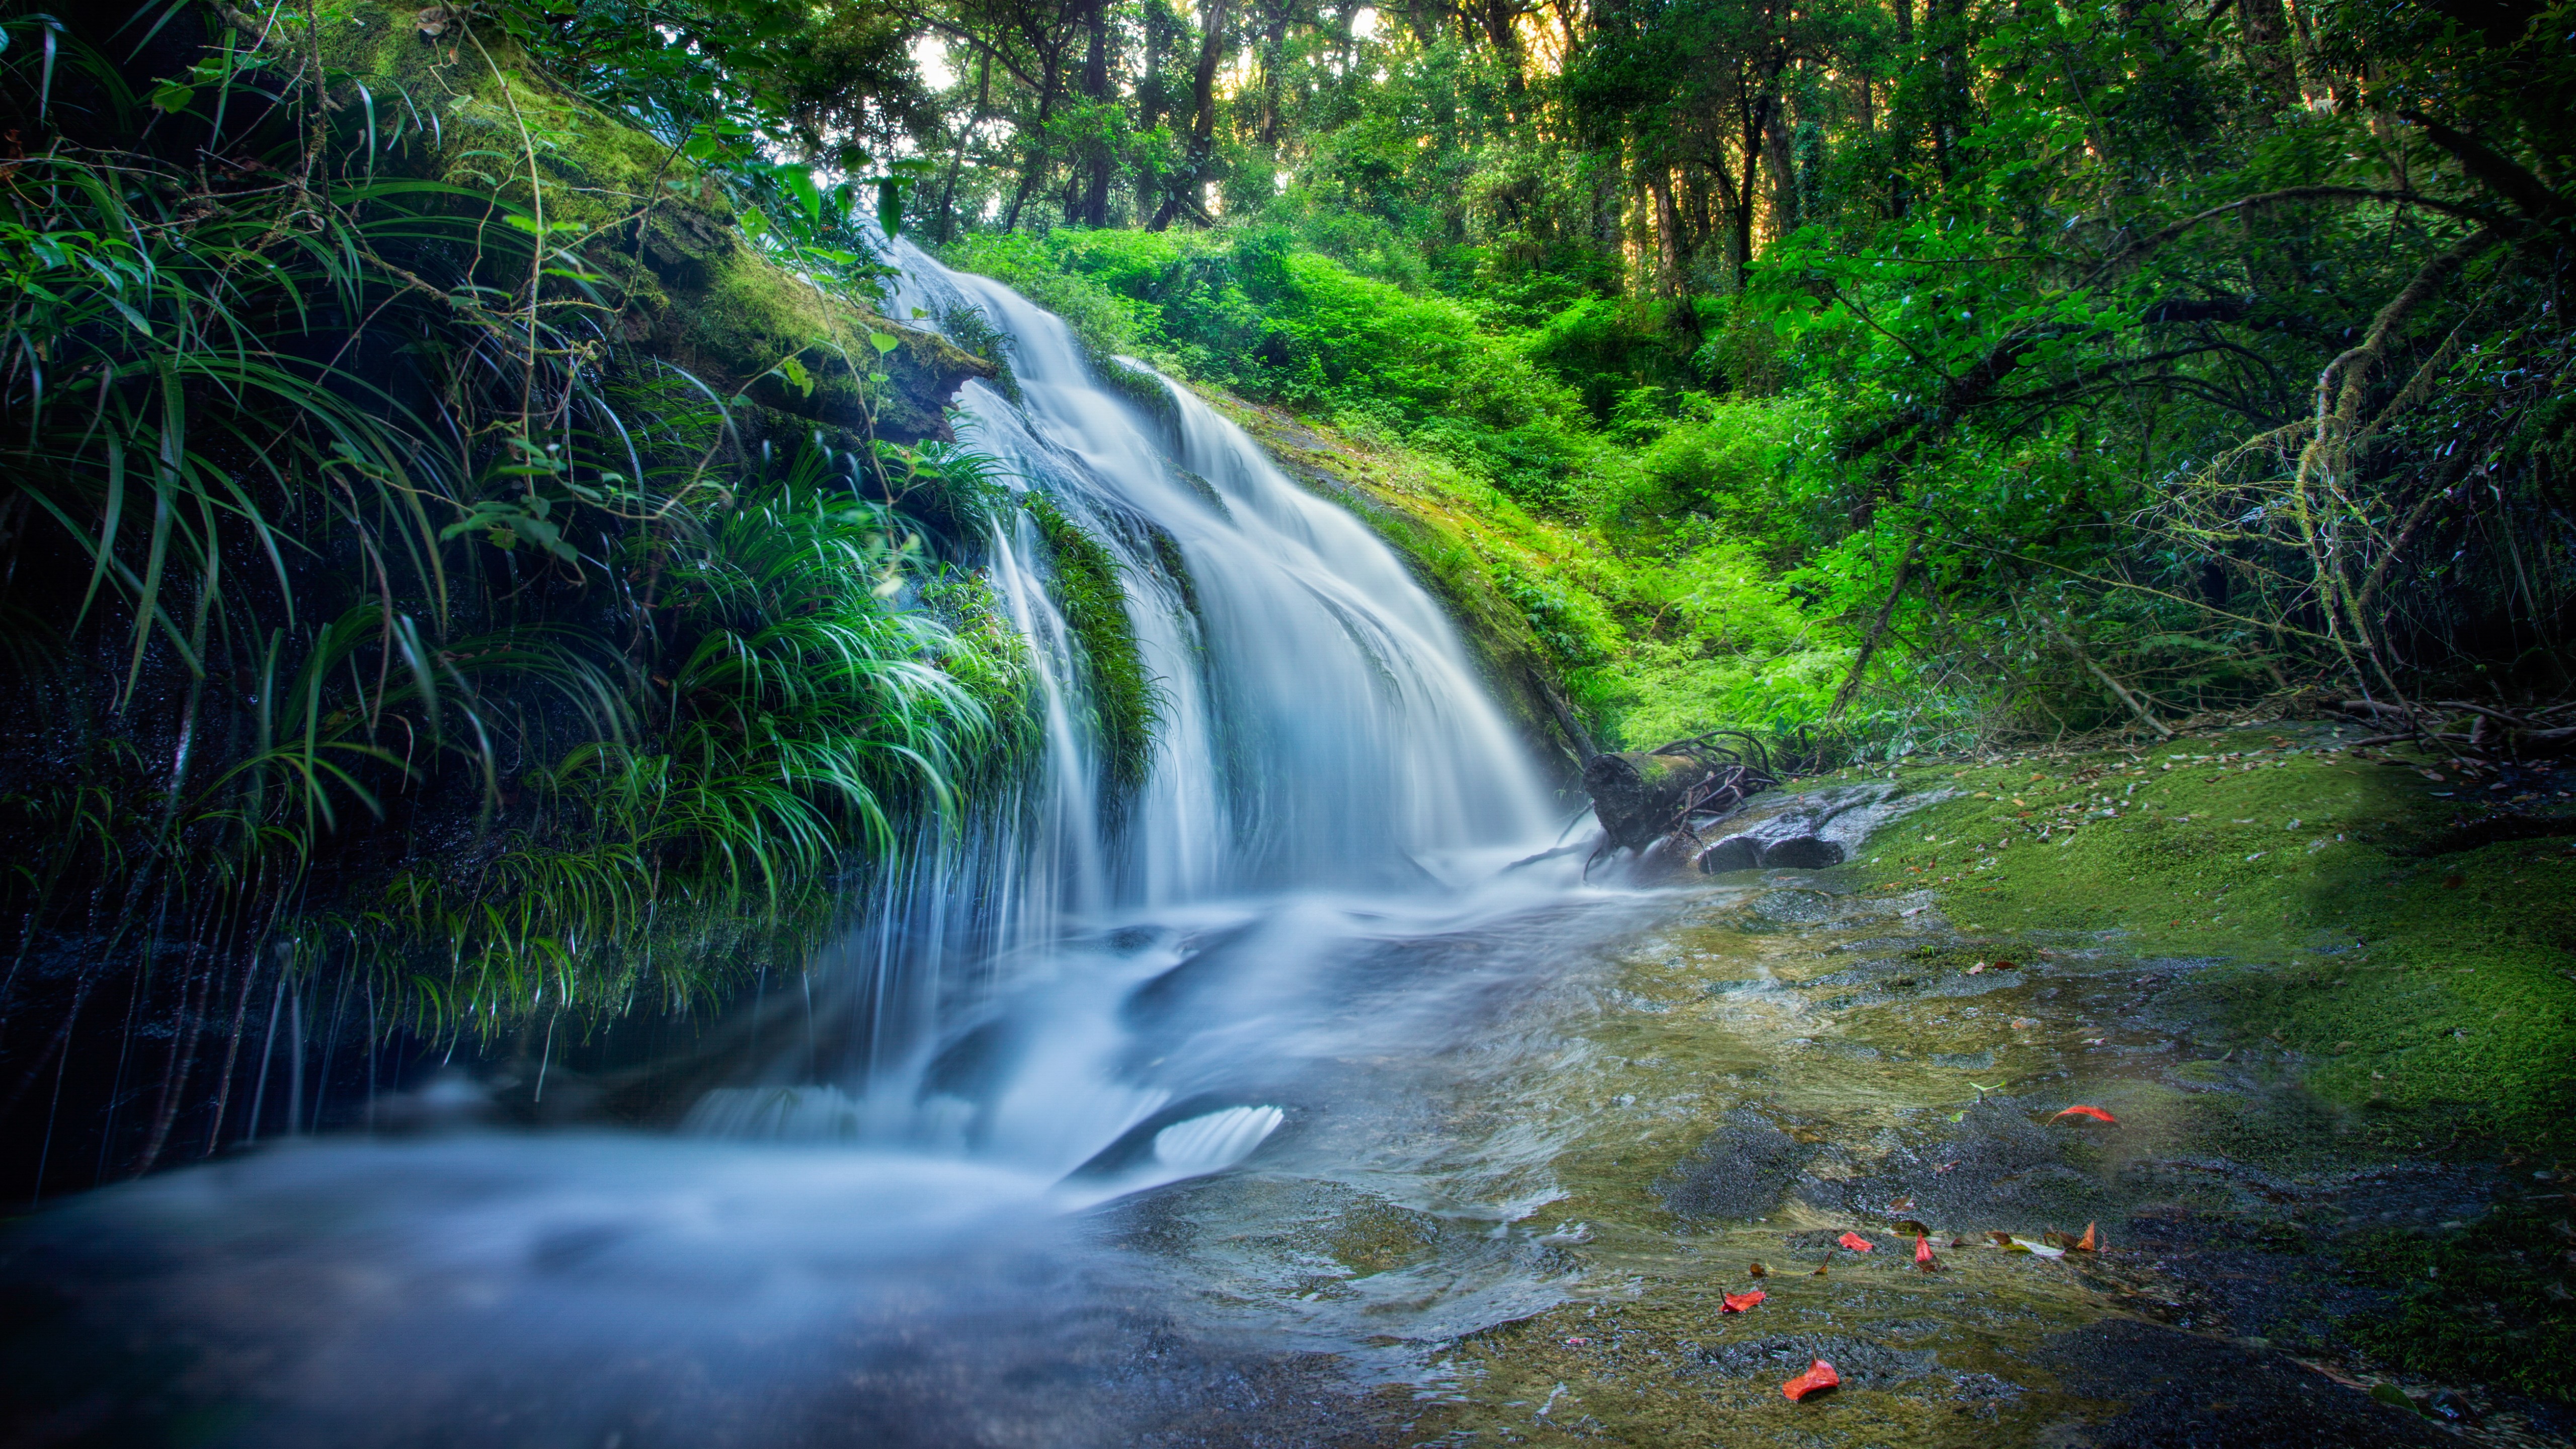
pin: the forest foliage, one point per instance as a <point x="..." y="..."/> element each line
<point x="471" y="521"/>
<point x="1948" y="369"/>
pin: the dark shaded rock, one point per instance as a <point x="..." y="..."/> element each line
<point x="2183" y="1391"/>
<point x="1801" y="852"/>
<point x="1638" y="796"/>
<point x="1743" y="1170"/>
<point x="1736" y="852"/>
<point x="1995" y="1169"/>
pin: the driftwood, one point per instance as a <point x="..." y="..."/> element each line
<point x="2494" y="730"/>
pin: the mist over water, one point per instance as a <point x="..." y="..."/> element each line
<point x="914" y="1216"/>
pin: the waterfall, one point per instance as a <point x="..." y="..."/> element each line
<point x="1077" y="968"/>
<point x="1271" y="946"/>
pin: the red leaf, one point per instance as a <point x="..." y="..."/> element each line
<point x="2096" y="1113"/>
<point x="1742" y="1302"/>
<point x="1820" y="1375"/>
<point x="1857" y="1243"/>
<point x="1923" y="1252"/>
<point x="2089" y="1244"/>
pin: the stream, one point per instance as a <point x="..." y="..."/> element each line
<point x="1265" y="1101"/>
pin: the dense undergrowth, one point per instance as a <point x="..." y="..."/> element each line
<point x="461" y="568"/>
<point x="1690" y="556"/>
<point x="1982" y="374"/>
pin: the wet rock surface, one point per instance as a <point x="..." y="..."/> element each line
<point x="1808" y="829"/>
<point x="2181" y="1390"/>
<point x="1794" y="1058"/>
<point x="1743" y="1170"/>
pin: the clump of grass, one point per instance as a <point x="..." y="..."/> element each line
<point x="391" y="621"/>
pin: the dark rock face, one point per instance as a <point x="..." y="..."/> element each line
<point x="2185" y="1391"/>
<point x="1735" y="852"/>
<point x="1639" y="797"/>
<point x="1796" y="832"/>
<point x="1743" y="1170"/>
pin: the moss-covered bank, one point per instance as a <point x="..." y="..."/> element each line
<point x="2336" y="1052"/>
<point x="689" y="283"/>
<point x="2396" y="936"/>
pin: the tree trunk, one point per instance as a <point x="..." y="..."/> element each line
<point x="2270" y="65"/>
<point x="1785" y="212"/>
<point x="1202" y="118"/>
<point x="1093" y="206"/>
<point x="1274" y="66"/>
<point x="957" y="161"/>
<point x="1668" y="227"/>
<point x="1038" y="158"/>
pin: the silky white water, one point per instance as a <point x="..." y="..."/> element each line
<point x="906" y="1208"/>
<point x="1321" y="737"/>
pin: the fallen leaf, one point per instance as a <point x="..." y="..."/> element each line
<point x="2024" y="1023"/>
<point x="2005" y="966"/>
<point x="2096" y="1113"/>
<point x="2002" y="1239"/>
<point x="1976" y="969"/>
<point x="1819" y="1273"/>
<point x="2038" y="1250"/>
<point x="1819" y="1376"/>
<point x="1758" y="1271"/>
<point x="1857" y="1243"/>
<point x="2088" y="1244"/>
<point x="1578" y="1342"/>
<point x="1900" y="1205"/>
<point x="2058" y="1240"/>
<point x="1945" y="1167"/>
<point x="1742" y="1302"/>
<point x="1923" y="1253"/>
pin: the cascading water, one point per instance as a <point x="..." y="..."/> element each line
<point x="1320" y="730"/>
<point x="1283" y="942"/>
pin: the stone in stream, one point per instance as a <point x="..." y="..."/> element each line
<point x="1808" y="830"/>
<point x="1801" y="852"/>
<point x="1735" y="852"/>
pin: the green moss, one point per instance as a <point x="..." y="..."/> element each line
<point x="1089" y="588"/>
<point x="1140" y="387"/>
<point x="660" y="230"/>
<point x="2421" y="984"/>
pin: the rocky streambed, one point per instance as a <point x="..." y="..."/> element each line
<point x="2318" y="1012"/>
